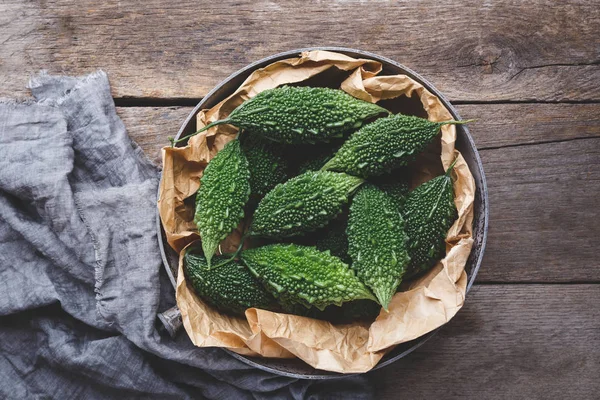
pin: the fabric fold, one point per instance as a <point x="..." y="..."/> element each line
<point x="81" y="276"/>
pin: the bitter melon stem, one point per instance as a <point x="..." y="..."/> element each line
<point x="356" y="186"/>
<point x="234" y="255"/>
<point x="219" y="122"/>
<point x="451" y="167"/>
<point x="328" y="165"/>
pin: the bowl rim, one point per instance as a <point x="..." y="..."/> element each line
<point x="426" y="84"/>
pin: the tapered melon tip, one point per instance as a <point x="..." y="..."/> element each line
<point x="329" y="165"/>
<point x="209" y="250"/>
<point x="451" y="167"/>
<point x="384" y="110"/>
<point x="383" y="297"/>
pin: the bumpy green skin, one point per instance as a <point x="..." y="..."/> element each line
<point x="224" y="190"/>
<point x="305" y="203"/>
<point x="303" y="114"/>
<point x="229" y="287"/>
<point x="303" y="275"/>
<point x="377" y="242"/>
<point x="334" y="239"/>
<point x="383" y="145"/>
<point x="429" y="212"/>
<point x="267" y="166"/>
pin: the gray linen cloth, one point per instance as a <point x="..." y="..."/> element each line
<point x="81" y="279"/>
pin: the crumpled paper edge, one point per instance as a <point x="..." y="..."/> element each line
<point x="208" y="327"/>
<point x="429" y="302"/>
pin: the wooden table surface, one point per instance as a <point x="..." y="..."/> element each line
<point x="528" y="71"/>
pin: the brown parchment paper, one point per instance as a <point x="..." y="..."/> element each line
<point x="424" y="305"/>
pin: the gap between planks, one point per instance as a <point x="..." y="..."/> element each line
<point x="507" y="146"/>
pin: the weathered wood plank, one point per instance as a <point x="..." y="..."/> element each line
<point x="471" y="50"/>
<point x="508" y="342"/>
<point x="544" y="217"/>
<point x="515" y="124"/>
<point x="150" y="126"/>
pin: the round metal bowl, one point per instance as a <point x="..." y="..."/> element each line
<point x="296" y="368"/>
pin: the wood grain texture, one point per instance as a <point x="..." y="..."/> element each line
<point x="544" y="218"/>
<point x="500" y="125"/>
<point x="470" y="50"/>
<point x="544" y="215"/>
<point x="508" y="342"/>
<point x="151" y="126"/>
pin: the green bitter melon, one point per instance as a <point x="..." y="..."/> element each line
<point x="300" y="114"/>
<point x="385" y="144"/>
<point x="377" y="242"/>
<point x="302" y="204"/>
<point x="429" y="212"/>
<point x="230" y="287"/>
<point x="223" y="193"/>
<point x="303" y="275"/>
<point x="266" y="163"/>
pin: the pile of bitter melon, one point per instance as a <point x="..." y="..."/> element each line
<point x="333" y="233"/>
